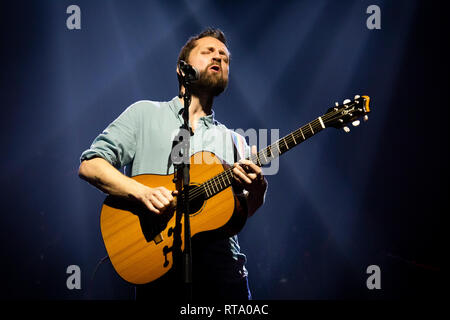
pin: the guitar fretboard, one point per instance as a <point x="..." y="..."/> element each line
<point x="223" y="180"/>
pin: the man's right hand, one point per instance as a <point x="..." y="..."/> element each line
<point x="107" y="178"/>
<point x="158" y="199"/>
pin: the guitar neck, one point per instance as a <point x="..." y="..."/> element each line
<point x="288" y="142"/>
<point x="266" y="155"/>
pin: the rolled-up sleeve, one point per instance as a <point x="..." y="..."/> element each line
<point x="117" y="143"/>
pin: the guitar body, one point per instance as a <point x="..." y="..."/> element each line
<point x="142" y="245"/>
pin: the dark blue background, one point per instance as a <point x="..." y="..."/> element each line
<point x="340" y="202"/>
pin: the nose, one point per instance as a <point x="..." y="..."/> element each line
<point x="217" y="58"/>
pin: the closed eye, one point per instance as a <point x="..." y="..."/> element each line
<point x="225" y="58"/>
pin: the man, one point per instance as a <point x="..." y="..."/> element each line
<point x="141" y="139"/>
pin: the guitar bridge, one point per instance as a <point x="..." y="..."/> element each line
<point x="158" y="238"/>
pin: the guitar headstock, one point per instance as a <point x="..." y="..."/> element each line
<point x="348" y="112"/>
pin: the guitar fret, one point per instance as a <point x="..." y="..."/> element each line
<point x="301" y="131"/>
<point x="285" y="144"/>
<point x="205" y="189"/>
<point x="265" y="159"/>
<point x="293" y="137"/>
<point x="258" y="162"/>
<point x="311" y="128"/>
<point x="209" y="189"/>
<point x="318" y="125"/>
<point x="217" y="183"/>
<point x="220" y="184"/>
<point x="227" y="175"/>
<point x="228" y="179"/>
<point x="321" y="123"/>
<point x="212" y="186"/>
<point x="224" y="184"/>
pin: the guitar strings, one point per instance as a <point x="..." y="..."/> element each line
<point x="216" y="181"/>
<point x="256" y="158"/>
<point x="211" y="183"/>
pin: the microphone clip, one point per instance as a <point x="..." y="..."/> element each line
<point x="188" y="73"/>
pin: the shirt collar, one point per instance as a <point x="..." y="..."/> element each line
<point x="178" y="107"/>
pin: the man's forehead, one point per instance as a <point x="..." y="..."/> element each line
<point x="211" y="42"/>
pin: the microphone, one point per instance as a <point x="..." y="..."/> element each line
<point x="188" y="72"/>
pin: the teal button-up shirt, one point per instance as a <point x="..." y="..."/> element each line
<point x="140" y="140"/>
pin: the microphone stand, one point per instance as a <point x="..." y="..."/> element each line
<point x="185" y="167"/>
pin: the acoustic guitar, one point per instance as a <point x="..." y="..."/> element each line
<point x="142" y="245"/>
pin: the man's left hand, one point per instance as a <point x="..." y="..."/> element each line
<point x="249" y="176"/>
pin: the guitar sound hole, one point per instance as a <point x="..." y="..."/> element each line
<point x="197" y="199"/>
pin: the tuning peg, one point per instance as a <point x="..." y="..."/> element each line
<point x="356" y="123"/>
<point x="366" y="117"/>
<point x="347" y="101"/>
<point x="336" y="104"/>
<point x="357" y="96"/>
<point x="346" y="129"/>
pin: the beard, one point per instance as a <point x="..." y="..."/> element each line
<point x="210" y="83"/>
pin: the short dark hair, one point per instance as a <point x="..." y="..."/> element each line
<point x="190" y="44"/>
